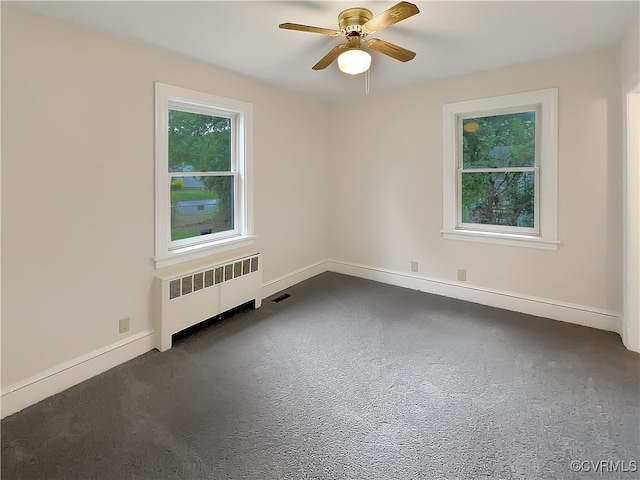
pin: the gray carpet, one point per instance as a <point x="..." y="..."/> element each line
<point x="348" y="379"/>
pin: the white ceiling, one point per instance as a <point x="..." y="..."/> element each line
<point x="450" y="37"/>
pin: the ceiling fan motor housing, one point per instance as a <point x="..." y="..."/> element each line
<point x="351" y="20"/>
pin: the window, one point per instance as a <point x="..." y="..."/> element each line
<point x="203" y="174"/>
<point x="500" y="170"/>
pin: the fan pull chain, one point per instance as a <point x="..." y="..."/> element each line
<point x="367" y="81"/>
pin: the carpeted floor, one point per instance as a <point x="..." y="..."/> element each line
<point x="349" y="379"/>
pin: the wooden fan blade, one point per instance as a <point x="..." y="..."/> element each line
<point x="307" y="28"/>
<point x="395" y="14"/>
<point x="330" y="57"/>
<point x="390" y="49"/>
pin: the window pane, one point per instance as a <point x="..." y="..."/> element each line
<point x="199" y="143"/>
<point x="501" y="141"/>
<point x="201" y="205"/>
<point x="500" y="198"/>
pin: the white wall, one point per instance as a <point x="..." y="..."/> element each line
<point x="386" y="205"/>
<point x="630" y="53"/>
<point x="77" y="184"/>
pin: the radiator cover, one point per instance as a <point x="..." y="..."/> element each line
<point x="191" y="297"/>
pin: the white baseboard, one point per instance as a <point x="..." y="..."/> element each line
<point x="285" y="281"/>
<point x="34" y="389"/>
<point x="541" y="307"/>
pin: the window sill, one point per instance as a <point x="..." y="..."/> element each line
<point x="510" y="239"/>
<point x="195" y="252"/>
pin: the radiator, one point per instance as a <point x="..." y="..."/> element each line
<point x="191" y="297"/>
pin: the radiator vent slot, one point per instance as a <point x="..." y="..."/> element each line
<point x="194" y="282"/>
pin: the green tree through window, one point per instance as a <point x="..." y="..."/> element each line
<point x="498" y="170"/>
<point x="201" y="173"/>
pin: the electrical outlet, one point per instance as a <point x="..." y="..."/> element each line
<point x="414" y="266"/>
<point x="462" y="275"/>
<point x="123" y="325"/>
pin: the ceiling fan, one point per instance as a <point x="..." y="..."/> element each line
<point x="355" y="24"/>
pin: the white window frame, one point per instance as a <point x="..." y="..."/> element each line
<point x="168" y="252"/>
<point x="544" y="235"/>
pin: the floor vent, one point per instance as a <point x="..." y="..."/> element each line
<point x="281" y="298"/>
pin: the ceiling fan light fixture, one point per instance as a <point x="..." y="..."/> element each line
<point x="354" y="61"/>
